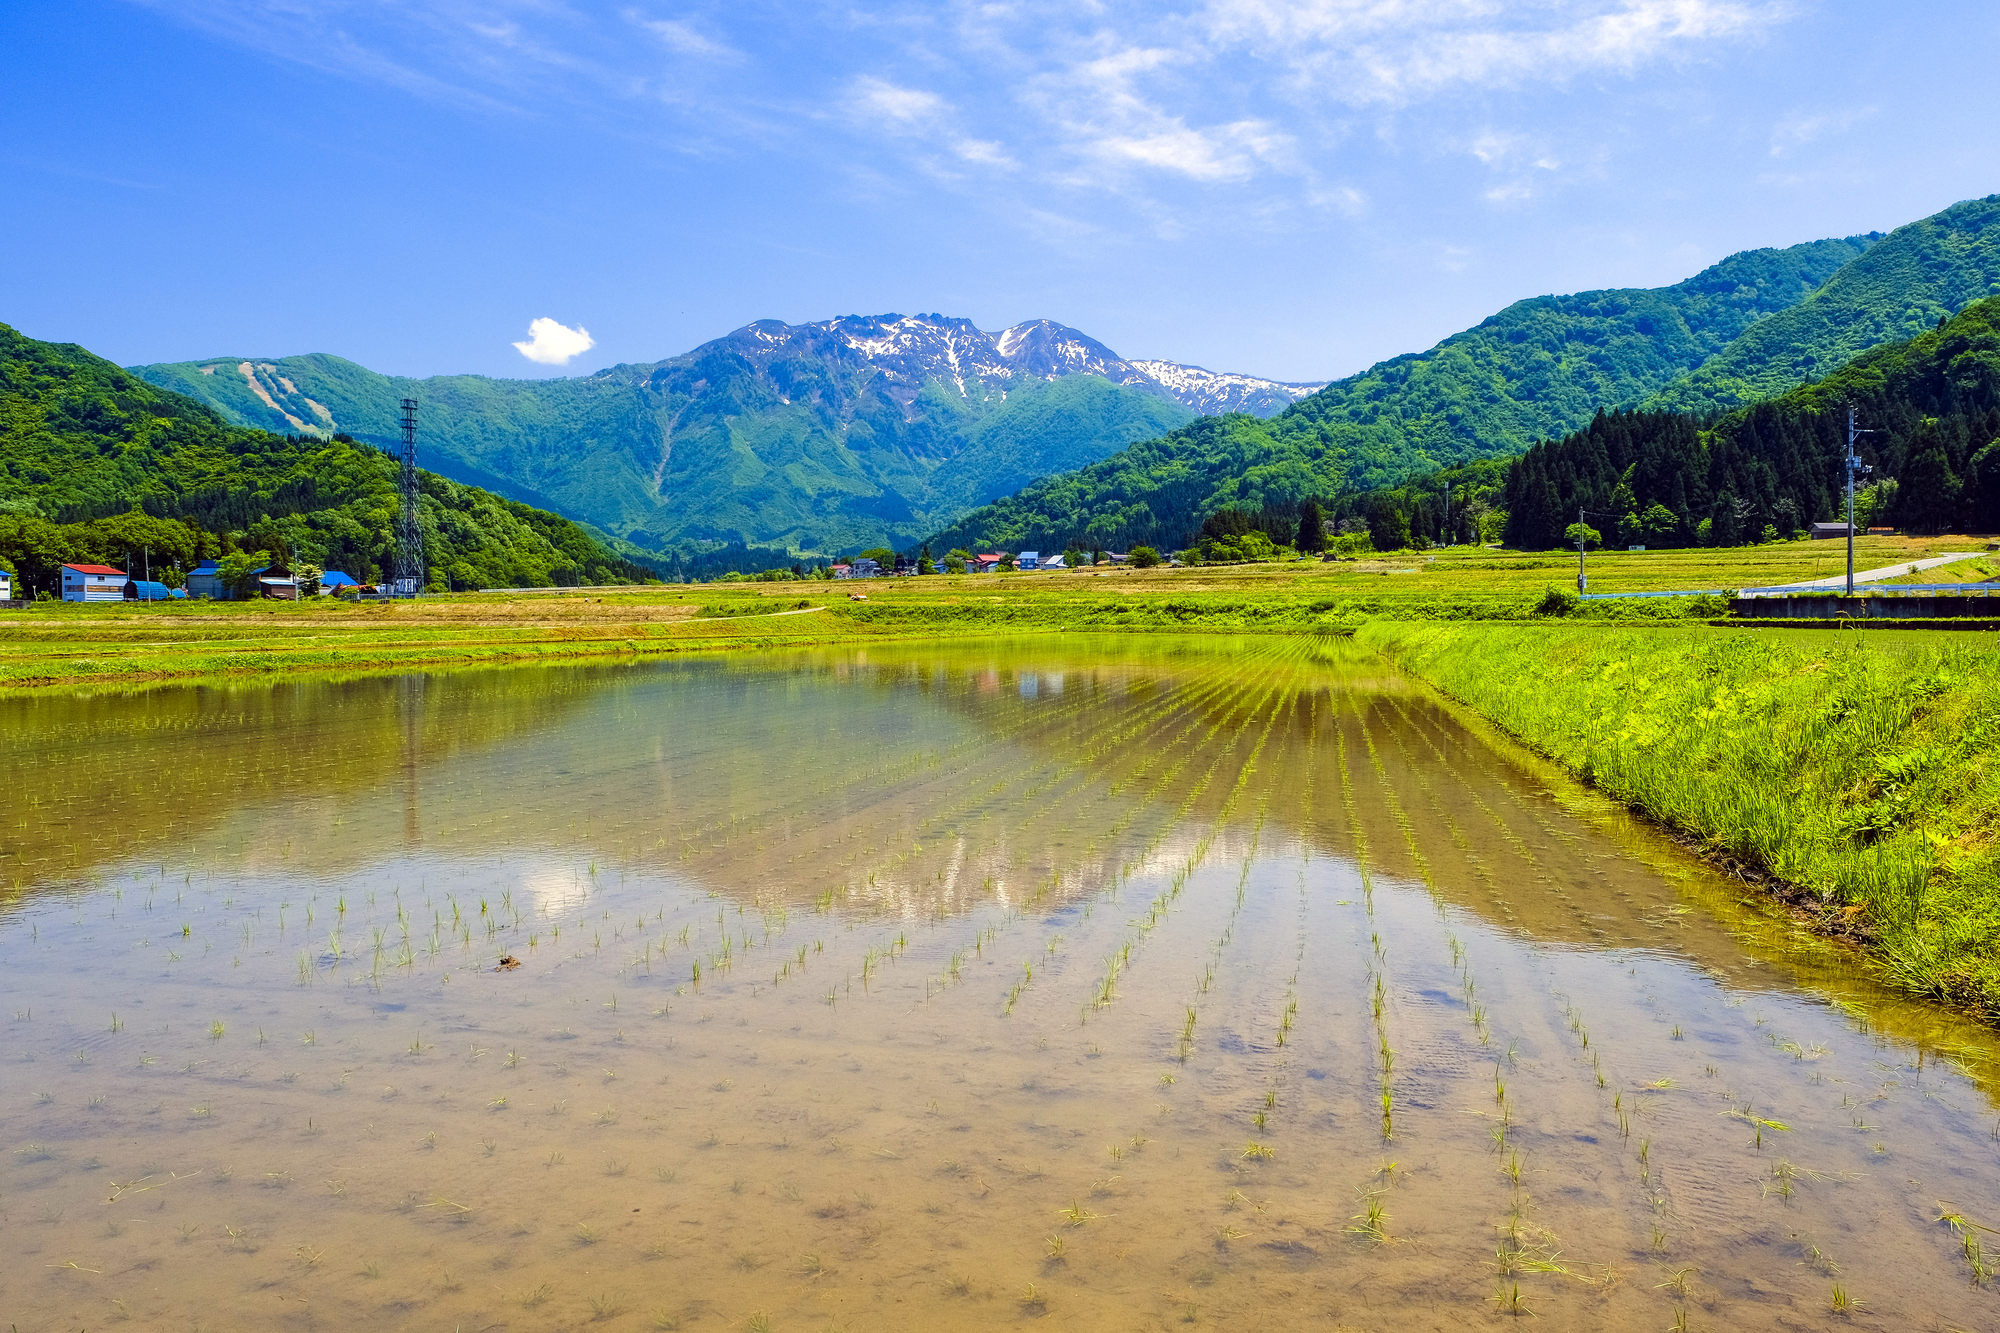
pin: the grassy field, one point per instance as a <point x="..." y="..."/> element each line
<point x="1858" y="768"/>
<point x="58" y="645"/>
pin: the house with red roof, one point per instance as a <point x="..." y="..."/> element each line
<point x="93" y="583"/>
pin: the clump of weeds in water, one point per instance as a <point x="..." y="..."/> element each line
<point x="1967" y="1232"/>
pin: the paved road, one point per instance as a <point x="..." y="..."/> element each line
<point x="1869" y="576"/>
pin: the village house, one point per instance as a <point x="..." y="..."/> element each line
<point x="1028" y="560"/>
<point x="206" y="581"/>
<point x="93" y="583"/>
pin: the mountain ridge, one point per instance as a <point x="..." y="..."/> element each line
<point x="815" y="437"/>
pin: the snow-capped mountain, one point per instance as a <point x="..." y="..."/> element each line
<point x="1212" y="393"/>
<point x="913" y="350"/>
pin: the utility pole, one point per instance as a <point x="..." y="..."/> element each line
<point x="409" y="532"/>
<point x="1854" y="467"/>
<point x="1583" y="579"/>
<point x="1447" y="513"/>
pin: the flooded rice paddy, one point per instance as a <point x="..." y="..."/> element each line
<point x="1079" y="984"/>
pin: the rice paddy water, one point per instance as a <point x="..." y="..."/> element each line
<point x="1116" y="983"/>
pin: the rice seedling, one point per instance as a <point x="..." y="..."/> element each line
<point x="535" y="1296"/>
<point x="1677" y="1283"/>
<point x="605" y="1305"/>
<point x="1841" y="1302"/>
<point x="586" y="1234"/>
<point x="1510" y="1300"/>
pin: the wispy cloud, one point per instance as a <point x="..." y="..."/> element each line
<point x="878" y="104"/>
<point x="1369" y="52"/>
<point x="1797" y="130"/>
<point x="1249" y="107"/>
<point x="683" y="38"/>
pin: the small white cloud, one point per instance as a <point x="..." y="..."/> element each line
<point x="883" y="105"/>
<point x="553" y="344"/>
<point x="985" y="152"/>
<point x="683" y="39"/>
<point x="1799" y="130"/>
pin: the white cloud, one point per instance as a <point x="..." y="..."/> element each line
<point x="984" y="152"/>
<point x="885" y="106"/>
<point x="1397" y="51"/>
<point x="1796" y="131"/>
<point x="681" y="37"/>
<point x="553" y="344"/>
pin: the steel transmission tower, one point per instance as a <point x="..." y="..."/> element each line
<point x="410" y="569"/>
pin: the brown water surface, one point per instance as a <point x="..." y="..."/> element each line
<point x="1087" y="983"/>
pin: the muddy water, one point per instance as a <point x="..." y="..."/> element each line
<point x="1071" y="983"/>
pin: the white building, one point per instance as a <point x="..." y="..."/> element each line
<point x="93" y="583"/>
<point x="6" y="585"/>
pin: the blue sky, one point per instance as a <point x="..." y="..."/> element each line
<point x="1290" y="189"/>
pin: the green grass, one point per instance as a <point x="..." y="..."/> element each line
<point x="1858" y="768"/>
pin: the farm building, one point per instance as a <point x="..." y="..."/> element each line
<point x="333" y="581"/>
<point x="6" y="585"/>
<point x="93" y="583"/>
<point x="146" y="590"/>
<point x="206" y="581"/>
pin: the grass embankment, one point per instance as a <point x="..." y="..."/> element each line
<point x="1860" y="769"/>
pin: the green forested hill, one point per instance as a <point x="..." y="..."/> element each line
<point x="1920" y="274"/>
<point x="816" y="438"/>
<point x="1757" y="323"/>
<point x="1540" y="367"/>
<point x="1933" y="402"/>
<point x="96" y="463"/>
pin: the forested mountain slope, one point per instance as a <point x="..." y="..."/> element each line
<point x="1540" y="367"/>
<point x="1538" y="370"/>
<point x="815" y="438"/>
<point x="96" y="464"/>
<point x="1933" y="403"/>
<point x="1918" y="275"/>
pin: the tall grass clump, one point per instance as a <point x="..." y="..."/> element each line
<point x="1859" y="769"/>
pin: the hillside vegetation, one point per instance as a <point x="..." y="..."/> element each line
<point x="1920" y="274"/>
<point x="1932" y="403"/>
<point x="98" y="465"/>
<point x="1758" y="323"/>
<point x="1540" y="367"/>
<point x="791" y="443"/>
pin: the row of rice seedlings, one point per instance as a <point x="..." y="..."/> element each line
<point x="1166" y="715"/>
<point x="1162" y="904"/>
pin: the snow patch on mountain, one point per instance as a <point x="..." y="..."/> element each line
<point x="1212" y="393"/>
<point x="910" y="351"/>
